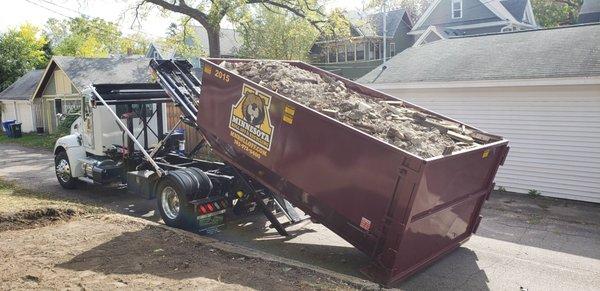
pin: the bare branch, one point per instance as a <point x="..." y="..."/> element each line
<point x="183" y="8"/>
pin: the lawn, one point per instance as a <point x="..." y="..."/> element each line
<point x="32" y="140"/>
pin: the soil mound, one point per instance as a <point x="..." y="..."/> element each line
<point x="32" y="218"/>
<point x="390" y="121"/>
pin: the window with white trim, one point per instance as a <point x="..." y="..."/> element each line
<point x="457" y="10"/>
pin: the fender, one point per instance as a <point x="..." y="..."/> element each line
<point x="72" y="144"/>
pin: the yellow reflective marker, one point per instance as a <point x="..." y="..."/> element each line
<point x="288" y="114"/>
<point x="240" y="194"/>
<point x="486" y="153"/>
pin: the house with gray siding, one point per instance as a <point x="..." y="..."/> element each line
<point x="450" y="18"/>
<point x="354" y="56"/>
<point x="540" y="89"/>
<point x="589" y="12"/>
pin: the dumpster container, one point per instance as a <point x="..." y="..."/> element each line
<point x="6" y="126"/>
<point x="402" y="210"/>
<point x="15" y="130"/>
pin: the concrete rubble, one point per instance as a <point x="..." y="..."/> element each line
<point x="416" y="132"/>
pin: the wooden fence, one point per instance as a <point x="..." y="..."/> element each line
<point x="192" y="137"/>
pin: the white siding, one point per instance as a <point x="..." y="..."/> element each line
<point x="22" y="114"/>
<point x="554" y="133"/>
<point x="25" y="116"/>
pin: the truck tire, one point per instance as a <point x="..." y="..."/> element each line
<point x="172" y="200"/>
<point x="62" y="168"/>
<point x="205" y="185"/>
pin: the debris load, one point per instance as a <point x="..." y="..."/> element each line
<point x="390" y="121"/>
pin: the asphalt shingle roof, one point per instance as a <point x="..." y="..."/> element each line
<point x="22" y="88"/>
<point x="86" y="71"/>
<point x="392" y="21"/>
<point x="549" y="53"/>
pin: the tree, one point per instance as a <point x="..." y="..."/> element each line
<point x="90" y="37"/>
<point x="551" y="13"/>
<point x="136" y="44"/>
<point x="275" y="33"/>
<point x="182" y="40"/>
<point x="209" y="14"/>
<point x="21" y="50"/>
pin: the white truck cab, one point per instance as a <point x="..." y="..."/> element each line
<point x="95" y="138"/>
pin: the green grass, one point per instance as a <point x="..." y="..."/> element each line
<point x="32" y="140"/>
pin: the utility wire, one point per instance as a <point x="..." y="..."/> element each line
<point x="83" y="15"/>
<point x="86" y="15"/>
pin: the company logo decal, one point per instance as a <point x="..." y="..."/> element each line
<point x="250" y="123"/>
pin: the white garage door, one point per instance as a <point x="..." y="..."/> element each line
<point x="8" y="112"/>
<point x="554" y="133"/>
<point x="25" y="116"/>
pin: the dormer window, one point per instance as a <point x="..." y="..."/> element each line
<point x="457" y="9"/>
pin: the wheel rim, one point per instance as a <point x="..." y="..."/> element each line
<point x="63" y="171"/>
<point x="170" y="202"/>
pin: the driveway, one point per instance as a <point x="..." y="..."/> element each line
<point x="534" y="244"/>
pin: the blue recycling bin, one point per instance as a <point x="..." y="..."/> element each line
<point x="7" y="127"/>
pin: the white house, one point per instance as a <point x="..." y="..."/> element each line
<point x="16" y="100"/>
<point x="539" y="88"/>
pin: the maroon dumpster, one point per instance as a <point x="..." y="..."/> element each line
<point x="402" y="210"/>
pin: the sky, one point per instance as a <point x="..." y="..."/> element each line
<point x="16" y="12"/>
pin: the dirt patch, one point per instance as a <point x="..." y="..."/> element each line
<point x="32" y="218"/>
<point x="110" y="251"/>
<point x="390" y="121"/>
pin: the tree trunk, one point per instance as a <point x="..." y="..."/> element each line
<point x="214" y="41"/>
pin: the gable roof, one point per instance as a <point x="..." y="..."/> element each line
<point x="515" y="7"/>
<point x="533" y="54"/>
<point x="86" y="71"/>
<point x="509" y="11"/>
<point x="590" y="11"/>
<point x="22" y="88"/>
<point x="371" y="25"/>
<point x="392" y="20"/>
<point x="162" y="51"/>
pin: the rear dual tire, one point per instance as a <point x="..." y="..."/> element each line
<point x="174" y="193"/>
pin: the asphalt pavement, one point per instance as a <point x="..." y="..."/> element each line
<point x="522" y="242"/>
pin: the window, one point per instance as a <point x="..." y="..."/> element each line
<point x="360" y="51"/>
<point x="331" y="54"/>
<point x="456" y="9"/>
<point x="121" y="109"/>
<point x="58" y="106"/>
<point x="392" y="49"/>
<point x="342" y="53"/>
<point x="350" y="51"/>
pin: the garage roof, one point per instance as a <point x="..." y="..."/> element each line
<point x="22" y="88"/>
<point x="572" y="51"/>
<point x="86" y="71"/>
